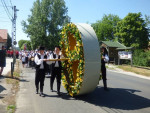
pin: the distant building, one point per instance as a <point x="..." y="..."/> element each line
<point x="113" y="48"/>
<point x="3" y="37"/>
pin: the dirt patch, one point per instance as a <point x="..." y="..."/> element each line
<point x="10" y="98"/>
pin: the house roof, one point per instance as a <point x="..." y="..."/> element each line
<point x="124" y="48"/>
<point x="113" y="44"/>
<point x="3" y="34"/>
<point x="116" y="44"/>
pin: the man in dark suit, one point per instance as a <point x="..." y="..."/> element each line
<point x="56" y="70"/>
<point x="40" y="61"/>
<point x="2" y="59"/>
<point x="104" y="53"/>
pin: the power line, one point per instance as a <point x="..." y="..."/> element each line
<point x="11" y="3"/>
<point x="7" y="6"/>
<point x="6" y="9"/>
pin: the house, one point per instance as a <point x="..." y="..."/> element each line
<point x="113" y="48"/>
<point x="3" y="37"/>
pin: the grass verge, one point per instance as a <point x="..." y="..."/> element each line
<point x="136" y="70"/>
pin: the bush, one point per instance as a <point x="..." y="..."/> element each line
<point x="141" y="58"/>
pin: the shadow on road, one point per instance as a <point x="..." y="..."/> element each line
<point x="21" y="80"/>
<point x="117" y="98"/>
<point x="1" y="89"/>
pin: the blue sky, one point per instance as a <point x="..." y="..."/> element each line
<point x="80" y="11"/>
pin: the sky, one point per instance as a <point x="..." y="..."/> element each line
<point x="80" y="11"/>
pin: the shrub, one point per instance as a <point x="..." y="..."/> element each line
<point x="141" y="58"/>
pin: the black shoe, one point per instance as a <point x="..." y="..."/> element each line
<point x="37" y="92"/>
<point x="42" y="95"/>
<point x="52" y="90"/>
<point x="106" y="89"/>
<point x="58" y="93"/>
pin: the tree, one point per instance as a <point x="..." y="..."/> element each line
<point x="105" y="28"/>
<point x="132" y="31"/>
<point x="45" y="22"/>
<point x="21" y="44"/>
<point x="9" y="41"/>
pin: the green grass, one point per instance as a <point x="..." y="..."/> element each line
<point x="140" y="71"/>
<point x="107" y="67"/>
<point x="11" y="108"/>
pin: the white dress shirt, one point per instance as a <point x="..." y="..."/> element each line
<point x="39" y="61"/>
<point x="51" y="57"/>
<point x="56" y="64"/>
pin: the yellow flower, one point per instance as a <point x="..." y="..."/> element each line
<point x="75" y="48"/>
<point x="67" y="49"/>
<point x="81" y="80"/>
<point x="81" y="72"/>
<point x="62" y="32"/>
<point x="78" y="49"/>
<point x="78" y="43"/>
<point x="75" y="88"/>
<point x="71" y="94"/>
<point x="64" y="77"/>
<point x="61" y="42"/>
<point x="77" y="74"/>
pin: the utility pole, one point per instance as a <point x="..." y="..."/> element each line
<point x="14" y="39"/>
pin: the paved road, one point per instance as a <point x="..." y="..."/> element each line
<point x="127" y="94"/>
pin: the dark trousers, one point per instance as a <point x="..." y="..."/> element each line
<point x="39" y="78"/>
<point x="103" y="70"/>
<point x="56" y="73"/>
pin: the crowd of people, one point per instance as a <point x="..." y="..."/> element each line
<point x="10" y="53"/>
<point x="28" y="59"/>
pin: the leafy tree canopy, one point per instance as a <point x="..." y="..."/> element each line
<point x="132" y="31"/>
<point x="105" y="28"/>
<point x="21" y="44"/>
<point x="45" y="22"/>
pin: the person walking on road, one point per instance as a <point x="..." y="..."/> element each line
<point x="56" y="70"/>
<point x="2" y="59"/>
<point x="104" y="58"/>
<point x="40" y="61"/>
